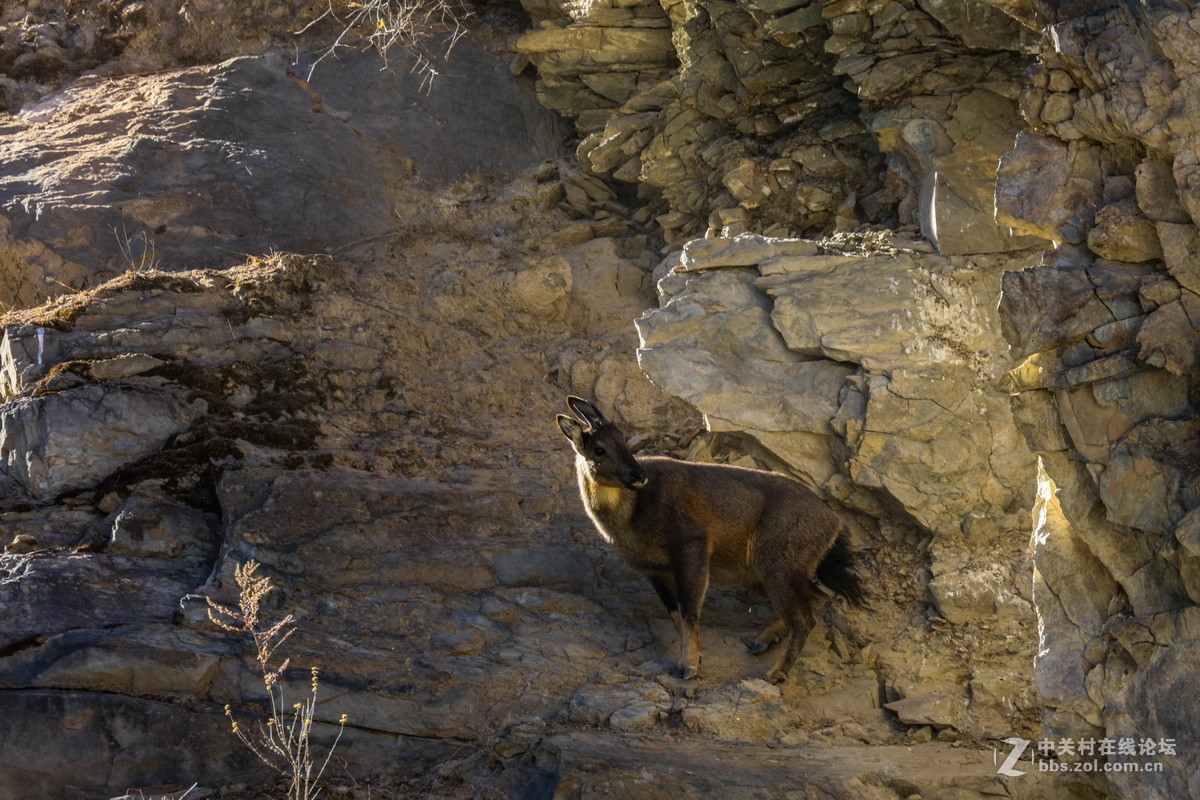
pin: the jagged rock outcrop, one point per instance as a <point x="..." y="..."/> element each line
<point x="871" y="374"/>
<point x="1106" y="331"/>
<point x="751" y="129"/>
<point x="796" y="116"/>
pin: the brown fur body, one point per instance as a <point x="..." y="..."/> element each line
<point x="683" y="524"/>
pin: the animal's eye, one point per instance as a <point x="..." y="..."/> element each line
<point x="598" y="451"/>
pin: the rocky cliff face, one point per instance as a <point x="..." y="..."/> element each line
<point x="1105" y="331"/>
<point x="299" y="411"/>
<point x="983" y="353"/>
<point x="868" y="364"/>
<point x="240" y="157"/>
<point x="793" y="115"/>
<point x="1046" y="153"/>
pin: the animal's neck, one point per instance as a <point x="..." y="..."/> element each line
<point x="610" y="507"/>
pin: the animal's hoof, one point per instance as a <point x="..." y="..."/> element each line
<point x="688" y="672"/>
<point x="776" y="677"/>
<point x="755" y="647"/>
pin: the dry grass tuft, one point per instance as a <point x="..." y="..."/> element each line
<point x="60" y="312"/>
<point x="256" y="279"/>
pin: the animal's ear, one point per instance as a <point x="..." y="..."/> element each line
<point x="586" y="412"/>
<point x="572" y="430"/>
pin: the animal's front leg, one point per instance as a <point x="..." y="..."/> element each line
<point x="664" y="585"/>
<point x="690" y="566"/>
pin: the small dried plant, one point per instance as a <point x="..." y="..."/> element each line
<point x="408" y="24"/>
<point x="137" y="250"/>
<point x="283" y="741"/>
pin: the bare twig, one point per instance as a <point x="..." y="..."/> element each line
<point x="410" y="25"/>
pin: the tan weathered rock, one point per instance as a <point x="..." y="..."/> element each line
<point x="1046" y="188"/>
<point x="1123" y="233"/>
<point x="743" y="250"/>
<point x="965" y="596"/>
<point x="123" y="366"/>
<point x="1180" y="245"/>
<point x="1157" y="194"/>
<point x="977" y="23"/>
<point x="1187" y="533"/>
<point x="1045" y="307"/>
<point x="590" y="67"/>
<point x="607" y="291"/>
<point x="1169" y="340"/>
<point x="952" y="154"/>
<point x="940" y="710"/>
<point x="1139" y="490"/>
<point x="677" y="351"/>
<point x="22" y="543"/>
<point x="634" y="705"/>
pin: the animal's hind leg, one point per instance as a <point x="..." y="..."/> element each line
<point x="773" y="633"/>
<point x="796" y="608"/>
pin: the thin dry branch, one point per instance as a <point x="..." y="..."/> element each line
<point x="412" y="26"/>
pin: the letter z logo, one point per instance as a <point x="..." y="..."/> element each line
<point x="1019" y="746"/>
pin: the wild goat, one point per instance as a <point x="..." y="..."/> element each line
<point x="683" y="523"/>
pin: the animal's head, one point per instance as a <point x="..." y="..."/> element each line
<point x="601" y="445"/>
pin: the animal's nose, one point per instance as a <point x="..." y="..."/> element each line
<point x="637" y="478"/>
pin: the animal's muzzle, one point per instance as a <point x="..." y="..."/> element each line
<point x="636" y="479"/>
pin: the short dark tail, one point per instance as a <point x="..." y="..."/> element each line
<point x="835" y="572"/>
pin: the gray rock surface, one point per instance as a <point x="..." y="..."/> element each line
<point x="242" y="157"/>
<point x="73" y="438"/>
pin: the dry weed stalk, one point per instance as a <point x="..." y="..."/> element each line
<point x="283" y="741"/>
<point x="137" y="250"/>
<point x="407" y="24"/>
